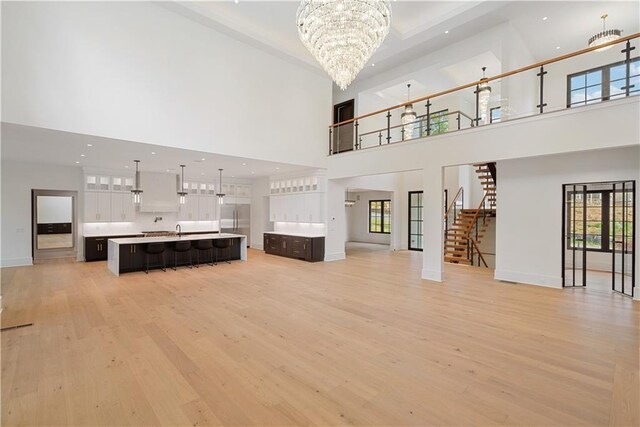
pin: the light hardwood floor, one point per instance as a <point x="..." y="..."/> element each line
<point x="275" y="341"/>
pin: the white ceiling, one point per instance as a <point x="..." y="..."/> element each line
<point x="418" y="27"/>
<point x="38" y="145"/>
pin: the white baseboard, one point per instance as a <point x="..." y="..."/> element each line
<point x="16" y="262"/>
<point x="529" y="279"/>
<point x="336" y="256"/>
<point x="434" y="276"/>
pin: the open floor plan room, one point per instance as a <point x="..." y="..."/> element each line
<point x="277" y="342"/>
<point x="320" y="213"/>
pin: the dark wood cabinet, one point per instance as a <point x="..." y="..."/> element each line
<point x="55" y="228"/>
<point x="303" y="248"/>
<point x="95" y="248"/>
<point x="132" y="258"/>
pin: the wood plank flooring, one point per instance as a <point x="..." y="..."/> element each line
<point x="275" y="342"/>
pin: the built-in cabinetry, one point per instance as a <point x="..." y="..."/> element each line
<point x="297" y="199"/>
<point x="299" y="247"/>
<point x="108" y="199"/>
<point x="95" y="248"/>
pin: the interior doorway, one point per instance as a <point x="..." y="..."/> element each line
<point x="343" y="135"/>
<point x="598" y="239"/>
<point x="54" y="224"/>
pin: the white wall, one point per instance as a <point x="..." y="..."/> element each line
<point x="54" y="209"/>
<point x="358" y="217"/>
<point x="18" y="179"/>
<point x="259" y="211"/>
<point x="137" y="71"/>
<point x="529" y="226"/>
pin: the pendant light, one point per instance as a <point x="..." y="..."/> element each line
<point x="604" y="36"/>
<point x="136" y="193"/>
<point x="484" y="94"/>
<point x="182" y="195"/>
<point x="220" y="194"/>
<point x="347" y="201"/>
<point x="408" y="117"/>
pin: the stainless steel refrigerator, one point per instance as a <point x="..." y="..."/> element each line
<point x="236" y="218"/>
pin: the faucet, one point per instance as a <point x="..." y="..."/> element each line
<point x="158" y="218"/>
<point x="179" y="229"/>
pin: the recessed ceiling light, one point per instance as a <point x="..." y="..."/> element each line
<point x="77" y="162"/>
<point x="126" y="166"/>
<point x="153" y="152"/>
<point x="236" y="1"/>
<point x="544" y="18"/>
<point x="233" y="176"/>
<point x="446" y="32"/>
<point x="202" y="159"/>
<point x="253" y="173"/>
<point x="277" y="168"/>
<point x="244" y="164"/>
<point x="81" y="155"/>
<point x="201" y="173"/>
<point x="557" y="47"/>
<point x="89" y="145"/>
<point x="373" y="64"/>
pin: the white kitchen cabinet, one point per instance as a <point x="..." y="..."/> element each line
<point x="122" y="183"/>
<point x="97" y="206"/>
<point x="97" y="182"/>
<point x="122" y="207"/>
<point x="190" y="210"/>
<point x="207" y="208"/>
<point x="297" y="207"/>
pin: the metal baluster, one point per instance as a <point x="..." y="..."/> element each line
<point x="477" y="119"/>
<point x="627" y="51"/>
<point x="356" y="139"/>
<point x="330" y="144"/>
<point x="542" y="103"/>
<point x="428" y="105"/>
<point x="389" y="126"/>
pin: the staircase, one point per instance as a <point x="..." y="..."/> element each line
<point x="487" y="174"/>
<point x="468" y="225"/>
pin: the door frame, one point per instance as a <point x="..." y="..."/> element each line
<point x="40" y="254"/>
<point x="336" y="146"/>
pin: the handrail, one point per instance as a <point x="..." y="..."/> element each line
<point x="478" y="250"/>
<point x="446" y="213"/>
<point x="475" y="216"/>
<point x="496" y="77"/>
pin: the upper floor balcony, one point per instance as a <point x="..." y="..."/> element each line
<point x="589" y="76"/>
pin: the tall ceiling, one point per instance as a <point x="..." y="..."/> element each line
<point x="418" y="27"/>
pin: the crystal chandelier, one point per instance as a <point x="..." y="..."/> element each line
<point x="604" y="36"/>
<point x="408" y="117"/>
<point x="343" y="34"/>
<point x="484" y="94"/>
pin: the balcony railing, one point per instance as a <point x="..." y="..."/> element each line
<point x="584" y="77"/>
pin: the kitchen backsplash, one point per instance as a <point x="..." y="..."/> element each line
<point x="146" y="221"/>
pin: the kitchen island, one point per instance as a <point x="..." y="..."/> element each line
<point x="128" y="254"/>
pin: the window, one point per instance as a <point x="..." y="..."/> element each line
<point x="495" y="114"/>
<point x="603" y="83"/>
<point x="415" y="220"/>
<point x="437" y="124"/>
<point x="600" y="228"/>
<point x="380" y="216"/>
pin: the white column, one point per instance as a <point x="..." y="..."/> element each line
<point x="433" y="232"/>
<point x="336" y="221"/>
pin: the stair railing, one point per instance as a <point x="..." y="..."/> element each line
<point x="480" y="257"/>
<point x="473" y="228"/>
<point x="454" y="207"/>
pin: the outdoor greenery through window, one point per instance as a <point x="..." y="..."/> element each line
<point x="437" y="124"/>
<point x="601" y="229"/>
<point x="380" y="216"/>
<point x="603" y="83"/>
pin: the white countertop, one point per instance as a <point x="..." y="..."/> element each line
<point x="135" y="240"/>
<point x="142" y="234"/>
<point x="294" y="234"/>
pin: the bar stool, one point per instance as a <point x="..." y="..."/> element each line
<point x="203" y="245"/>
<point x="221" y="244"/>
<point x="181" y="247"/>
<point x="157" y="249"/>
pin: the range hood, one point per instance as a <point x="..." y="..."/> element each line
<point x="160" y="192"/>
